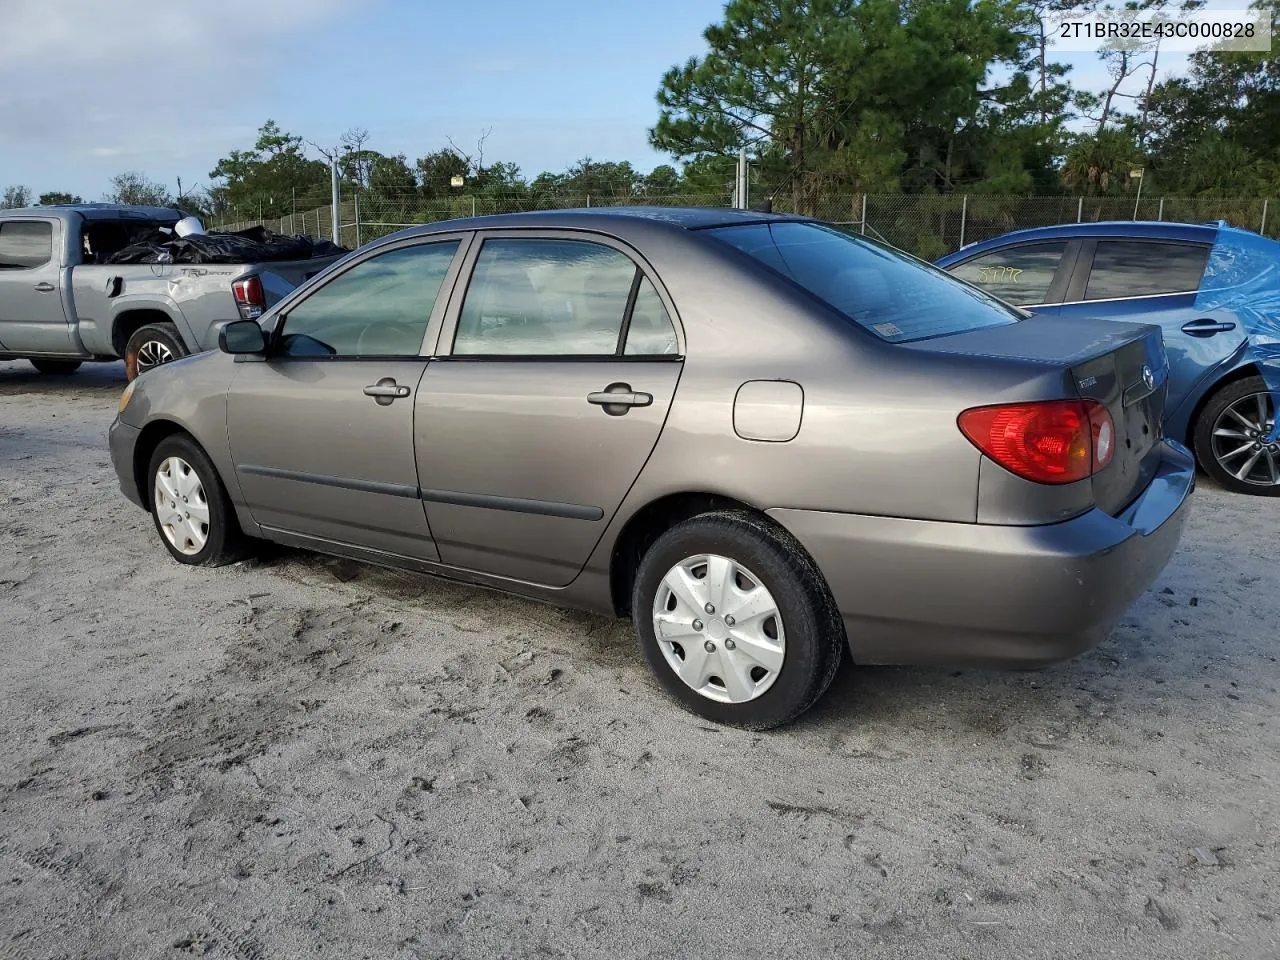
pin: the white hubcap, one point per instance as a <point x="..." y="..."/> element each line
<point x="719" y="628"/>
<point x="181" y="507"/>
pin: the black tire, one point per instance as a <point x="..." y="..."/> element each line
<point x="149" y="342"/>
<point x="1211" y="459"/>
<point x="225" y="542"/>
<point x="56" y="367"/>
<point x="814" y="632"/>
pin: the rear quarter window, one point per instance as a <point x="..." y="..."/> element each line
<point x="885" y="291"/>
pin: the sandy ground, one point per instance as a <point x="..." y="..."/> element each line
<point x="301" y="757"/>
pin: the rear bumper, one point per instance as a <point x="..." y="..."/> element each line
<point x="917" y="591"/>
<point x="122" y="440"/>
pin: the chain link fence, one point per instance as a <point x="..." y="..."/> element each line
<point x="927" y="226"/>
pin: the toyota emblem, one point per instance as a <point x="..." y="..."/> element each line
<point x="1148" y="377"/>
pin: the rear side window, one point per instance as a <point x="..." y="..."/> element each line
<point x="556" y="298"/>
<point x="1143" y="268"/>
<point x="1020" y="275"/>
<point x="896" y="297"/>
<point x="25" y="244"/>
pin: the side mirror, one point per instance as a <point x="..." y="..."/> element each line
<point x="241" y="336"/>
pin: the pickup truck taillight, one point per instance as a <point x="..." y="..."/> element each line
<point x="1056" y="441"/>
<point x="249" y="297"/>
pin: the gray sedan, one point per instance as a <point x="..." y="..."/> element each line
<point x="764" y="440"/>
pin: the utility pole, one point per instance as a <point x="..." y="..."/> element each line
<point x="332" y="156"/>
<point x="337" y="214"/>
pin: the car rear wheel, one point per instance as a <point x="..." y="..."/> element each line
<point x="1231" y="438"/>
<point x="56" y="367"/>
<point x="736" y="621"/>
<point x="190" y="507"/>
<point x="151" y="345"/>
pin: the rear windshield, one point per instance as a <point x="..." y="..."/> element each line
<point x="895" y="296"/>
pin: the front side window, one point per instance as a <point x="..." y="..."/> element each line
<point x="896" y="297"/>
<point x="25" y="244"/>
<point x="1143" y="268"/>
<point x="1020" y="275"/>
<point x="378" y="308"/>
<point x="543" y="297"/>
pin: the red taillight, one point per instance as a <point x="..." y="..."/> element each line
<point x="1056" y="441"/>
<point x="249" y="297"/>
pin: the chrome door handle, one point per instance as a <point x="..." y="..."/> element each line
<point x="386" y="390"/>
<point x="44" y="287"/>
<point x="617" y="397"/>
<point x="1206" y="327"/>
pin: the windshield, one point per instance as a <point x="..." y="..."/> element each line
<point x="895" y="296"/>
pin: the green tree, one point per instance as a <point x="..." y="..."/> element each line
<point x="270" y="180"/>
<point x="865" y="94"/>
<point x="1217" y="129"/>
<point x="133" y="187"/>
<point x="15" y="197"/>
<point x="54" y="197"/>
<point x="436" y="171"/>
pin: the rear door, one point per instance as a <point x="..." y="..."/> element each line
<point x="321" y="430"/>
<point x="32" y="318"/>
<point x="1032" y="275"/>
<point x="1156" y="281"/>
<point x="550" y="387"/>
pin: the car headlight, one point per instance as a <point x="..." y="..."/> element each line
<point x="126" y="396"/>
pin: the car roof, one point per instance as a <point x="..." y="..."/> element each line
<point x="99" y="211"/>
<point x="605" y="218"/>
<point x="1145" y="229"/>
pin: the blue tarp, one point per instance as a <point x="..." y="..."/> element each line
<point x="1243" y="276"/>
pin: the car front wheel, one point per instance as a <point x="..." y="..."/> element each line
<point x="1232" y="438"/>
<point x="189" y="504"/>
<point x="736" y="621"/>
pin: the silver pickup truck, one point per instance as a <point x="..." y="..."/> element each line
<point x="63" y="304"/>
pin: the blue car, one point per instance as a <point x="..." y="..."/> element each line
<point x="1186" y="278"/>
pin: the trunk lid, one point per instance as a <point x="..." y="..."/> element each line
<point x="1122" y="366"/>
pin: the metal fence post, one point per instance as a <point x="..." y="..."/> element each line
<point x="1080" y="210"/>
<point x="1160" y="212"/>
<point x="473" y="206"/>
<point x="1263" y="229"/>
<point x="964" y="216"/>
<point x="588" y="201"/>
<point x="864" y="215"/>
<point x="357" y="202"/>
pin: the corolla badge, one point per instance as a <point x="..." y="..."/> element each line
<point x="1148" y="377"/>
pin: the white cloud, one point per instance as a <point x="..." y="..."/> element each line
<point x="152" y="84"/>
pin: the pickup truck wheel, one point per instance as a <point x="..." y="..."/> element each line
<point x="56" y="366"/>
<point x="736" y="621"/>
<point x="190" y="506"/>
<point x="150" y="346"/>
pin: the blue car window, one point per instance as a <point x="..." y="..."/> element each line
<point x="1019" y="274"/>
<point x="891" y="294"/>
<point x="1144" y="268"/>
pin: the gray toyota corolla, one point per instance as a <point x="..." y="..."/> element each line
<point x="761" y="438"/>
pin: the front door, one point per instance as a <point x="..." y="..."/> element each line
<point x="321" y="430"/>
<point x="554" y="380"/>
<point x="32" y="318"/>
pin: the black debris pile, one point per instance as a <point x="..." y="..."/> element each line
<point x="255" y="245"/>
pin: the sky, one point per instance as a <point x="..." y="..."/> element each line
<point x="90" y="88"/>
